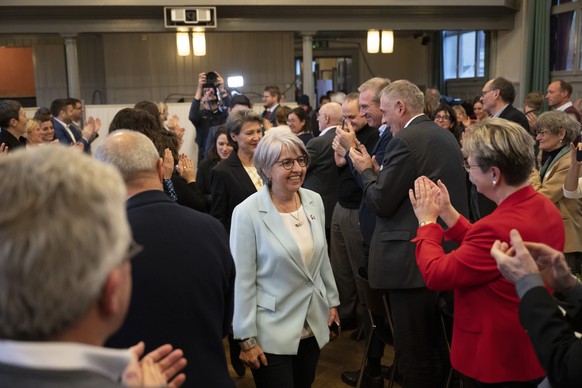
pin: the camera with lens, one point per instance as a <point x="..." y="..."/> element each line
<point x="211" y="78"/>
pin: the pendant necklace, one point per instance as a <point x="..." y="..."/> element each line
<point x="295" y="217"/>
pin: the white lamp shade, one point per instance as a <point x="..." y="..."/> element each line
<point x="199" y="44"/>
<point x="183" y="43"/>
<point x="373" y="41"/>
<point x="387" y="42"/>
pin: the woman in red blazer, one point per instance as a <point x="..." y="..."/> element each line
<point x="489" y="344"/>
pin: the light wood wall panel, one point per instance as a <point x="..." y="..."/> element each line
<point x="146" y="66"/>
<point x="91" y="69"/>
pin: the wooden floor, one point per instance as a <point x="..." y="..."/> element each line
<point x="337" y="356"/>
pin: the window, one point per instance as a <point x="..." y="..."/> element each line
<point x="463" y="54"/>
<point x="565" y="42"/>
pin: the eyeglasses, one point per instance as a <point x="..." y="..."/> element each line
<point x="133" y="250"/>
<point x="468" y="166"/>
<point x="543" y="133"/>
<point x="443" y="117"/>
<point x="287" y="164"/>
<point x="484" y="92"/>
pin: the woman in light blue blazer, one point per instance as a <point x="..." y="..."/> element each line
<point x="285" y="292"/>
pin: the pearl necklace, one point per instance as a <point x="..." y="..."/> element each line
<point x="295" y="217"/>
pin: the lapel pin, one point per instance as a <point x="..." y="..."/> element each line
<point x="312" y="217"/>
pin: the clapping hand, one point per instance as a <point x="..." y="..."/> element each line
<point x="186" y="168"/>
<point x="159" y="368"/>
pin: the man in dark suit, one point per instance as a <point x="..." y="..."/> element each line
<point x="183" y="281"/>
<point x="346" y="249"/>
<point x="12" y="125"/>
<point x="68" y="134"/>
<point x="419" y="147"/>
<point x="271" y="100"/>
<point x="529" y="266"/>
<point x="322" y="176"/>
<point x="369" y="109"/>
<point x="497" y="98"/>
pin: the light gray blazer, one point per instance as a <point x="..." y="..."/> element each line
<point x="275" y="293"/>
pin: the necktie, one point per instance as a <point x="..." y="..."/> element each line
<point x="169" y="189"/>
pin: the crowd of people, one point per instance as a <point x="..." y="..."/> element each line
<point x="473" y="210"/>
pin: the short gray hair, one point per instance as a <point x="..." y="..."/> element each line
<point x="408" y="93"/>
<point x="237" y="119"/>
<point x="503" y="144"/>
<point x="63" y="228"/>
<point x="556" y="120"/>
<point x="132" y="152"/>
<point x="376" y="85"/>
<point x="270" y="147"/>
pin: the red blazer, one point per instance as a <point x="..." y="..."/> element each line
<point x="489" y="343"/>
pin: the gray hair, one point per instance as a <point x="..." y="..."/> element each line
<point x="132" y="152"/>
<point x="503" y="144"/>
<point x="338" y="97"/>
<point x="237" y="119"/>
<point x="63" y="228"/>
<point x="270" y="147"/>
<point x="375" y="84"/>
<point x="555" y="120"/>
<point x="408" y="93"/>
<point x="353" y="96"/>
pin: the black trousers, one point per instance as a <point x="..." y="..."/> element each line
<point x="423" y="360"/>
<point x="289" y="371"/>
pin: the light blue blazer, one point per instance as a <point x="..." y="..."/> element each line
<point x="275" y="293"/>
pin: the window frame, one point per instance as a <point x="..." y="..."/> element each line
<point x="575" y="6"/>
<point x="458" y="61"/>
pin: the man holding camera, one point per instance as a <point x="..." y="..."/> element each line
<point x="211" y="93"/>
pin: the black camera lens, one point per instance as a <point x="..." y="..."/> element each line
<point x="211" y="77"/>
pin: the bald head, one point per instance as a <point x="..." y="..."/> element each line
<point x="329" y="114"/>
<point x="134" y="155"/>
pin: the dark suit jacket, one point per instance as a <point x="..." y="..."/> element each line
<point x="230" y="186"/>
<point x="204" y="180"/>
<point x="553" y="339"/>
<point x="512" y="114"/>
<point x="573" y="111"/>
<point x="64" y="138"/>
<point x="272" y="116"/>
<point x="189" y="194"/>
<point x="422" y="148"/>
<point x="322" y="175"/>
<point x="10" y="141"/>
<point x="367" y="216"/>
<point x="183" y="285"/>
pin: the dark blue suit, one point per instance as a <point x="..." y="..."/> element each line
<point x="183" y="286"/>
<point x="64" y="138"/>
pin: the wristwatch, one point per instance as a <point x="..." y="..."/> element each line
<point x="423" y="223"/>
<point x="247" y="344"/>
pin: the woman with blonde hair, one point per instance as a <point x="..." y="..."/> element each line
<point x="489" y="344"/>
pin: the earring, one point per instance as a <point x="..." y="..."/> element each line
<point x="494" y="182"/>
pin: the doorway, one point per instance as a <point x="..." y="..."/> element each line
<point x="330" y="74"/>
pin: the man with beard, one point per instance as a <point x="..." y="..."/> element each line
<point x="212" y="113"/>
